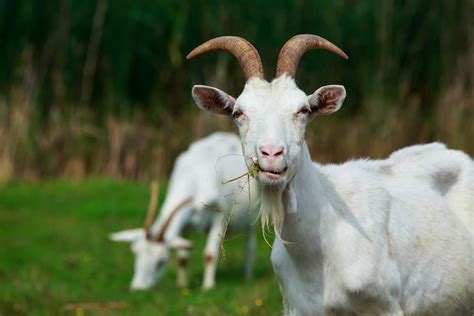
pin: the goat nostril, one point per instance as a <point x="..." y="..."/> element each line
<point x="279" y="152"/>
<point x="272" y="151"/>
<point x="264" y="153"/>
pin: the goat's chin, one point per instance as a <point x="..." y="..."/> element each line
<point x="271" y="208"/>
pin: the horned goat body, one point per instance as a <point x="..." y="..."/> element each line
<point x="385" y="237"/>
<point x="198" y="198"/>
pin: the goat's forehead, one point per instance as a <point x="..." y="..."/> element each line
<point x="280" y="93"/>
<point x="148" y="245"/>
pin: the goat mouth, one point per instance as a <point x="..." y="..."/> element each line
<point x="273" y="174"/>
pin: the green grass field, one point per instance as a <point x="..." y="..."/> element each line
<point x="54" y="252"/>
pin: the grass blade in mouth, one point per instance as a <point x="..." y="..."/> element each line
<point x="254" y="169"/>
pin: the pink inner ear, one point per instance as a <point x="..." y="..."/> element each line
<point x="213" y="99"/>
<point x="331" y="96"/>
<point x="327" y="100"/>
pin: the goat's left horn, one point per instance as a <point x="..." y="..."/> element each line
<point x="150" y="214"/>
<point x="246" y="54"/>
<point x="294" y="49"/>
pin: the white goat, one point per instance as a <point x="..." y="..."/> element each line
<point x="361" y="238"/>
<point x="196" y="197"/>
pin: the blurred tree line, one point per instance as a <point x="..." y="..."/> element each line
<point x="103" y="87"/>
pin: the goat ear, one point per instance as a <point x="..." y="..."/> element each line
<point x="327" y="100"/>
<point x="128" y="235"/>
<point x="213" y="99"/>
<point x="180" y="243"/>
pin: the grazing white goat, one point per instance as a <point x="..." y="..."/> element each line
<point x="361" y="238"/>
<point x="196" y="197"/>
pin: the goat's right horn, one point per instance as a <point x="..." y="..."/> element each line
<point x="295" y="47"/>
<point x="150" y="214"/>
<point x="245" y="53"/>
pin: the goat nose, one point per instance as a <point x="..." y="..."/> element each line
<point x="272" y="150"/>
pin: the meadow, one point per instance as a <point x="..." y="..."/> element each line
<point x="56" y="259"/>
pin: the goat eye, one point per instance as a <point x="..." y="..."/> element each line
<point x="304" y="111"/>
<point x="237" y="114"/>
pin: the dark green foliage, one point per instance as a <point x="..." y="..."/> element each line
<point x="143" y="45"/>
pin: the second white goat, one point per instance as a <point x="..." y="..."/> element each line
<point x="198" y="196"/>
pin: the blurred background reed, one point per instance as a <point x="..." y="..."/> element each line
<point x="102" y="88"/>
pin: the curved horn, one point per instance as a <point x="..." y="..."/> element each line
<point x="160" y="236"/>
<point x="245" y="53"/>
<point x="295" y="47"/>
<point x="150" y="214"/>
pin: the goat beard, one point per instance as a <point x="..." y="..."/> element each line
<point x="272" y="210"/>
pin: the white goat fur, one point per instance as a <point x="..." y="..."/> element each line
<point x="199" y="174"/>
<point x="387" y="237"/>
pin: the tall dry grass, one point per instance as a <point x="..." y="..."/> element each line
<point x="75" y="147"/>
